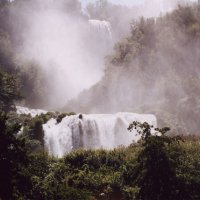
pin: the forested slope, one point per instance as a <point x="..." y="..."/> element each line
<point x="154" y="70"/>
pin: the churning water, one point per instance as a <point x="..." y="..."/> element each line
<point x="88" y="131"/>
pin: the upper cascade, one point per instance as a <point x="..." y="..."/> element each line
<point x="94" y="131"/>
<point x="101" y="28"/>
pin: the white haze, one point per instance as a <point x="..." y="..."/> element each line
<point x="62" y="45"/>
<point x="155" y="8"/>
<point x="57" y="43"/>
<point x="70" y="56"/>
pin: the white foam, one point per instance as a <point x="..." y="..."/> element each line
<point x="92" y="131"/>
<point x="101" y="28"/>
<point x="33" y="112"/>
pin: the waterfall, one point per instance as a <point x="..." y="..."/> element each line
<point x="94" y="131"/>
<point x="27" y="111"/>
<point x="100" y="38"/>
<point x="100" y="29"/>
<point x="91" y="131"/>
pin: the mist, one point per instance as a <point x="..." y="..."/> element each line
<point x="68" y="45"/>
<point x="61" y="41"/>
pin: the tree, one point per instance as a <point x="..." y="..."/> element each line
<point x="9" y="91"/>
<point x="13" y="159"/>
<point x="155" y="173"/>
<point x="6" y="48"/>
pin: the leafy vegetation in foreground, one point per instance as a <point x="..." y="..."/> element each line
<point x="160" y="167"/>
<point x="157" y="167"/>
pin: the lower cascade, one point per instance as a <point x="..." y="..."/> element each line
<point x="27" y="111"/>
<point x="94" y="131"/>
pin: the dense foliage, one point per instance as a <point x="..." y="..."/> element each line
<point x="9" y="91"/>
<point x="13" y="161"/>
<point x="158" y="166"/>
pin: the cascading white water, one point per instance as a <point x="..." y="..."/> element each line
<point x="27" y="111"/>
<point x="101" y="29"/>
<point x="91" y="131"/>
<point x="88" y="131"/>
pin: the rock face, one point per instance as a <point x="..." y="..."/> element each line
<point x="91" y="131"/>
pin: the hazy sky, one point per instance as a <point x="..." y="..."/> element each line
<point x="126" y="2"/>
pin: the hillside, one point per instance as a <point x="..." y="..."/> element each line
<point x="154" y="70"/>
